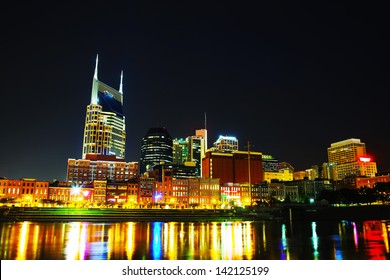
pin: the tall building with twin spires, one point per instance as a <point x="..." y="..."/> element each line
<point x="105" y="129"/>
<point x="104" y="138"/>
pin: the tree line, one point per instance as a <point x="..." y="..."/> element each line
<point x="380" y="192"/>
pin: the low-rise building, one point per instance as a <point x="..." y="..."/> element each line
<point x="24" y="192"/>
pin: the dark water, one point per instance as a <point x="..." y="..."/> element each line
<point x="325" y="240"/>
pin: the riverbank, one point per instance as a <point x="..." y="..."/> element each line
<point x="117" y="215"/>
<point x="353" y="213"/>
<point x="280" y="213"/>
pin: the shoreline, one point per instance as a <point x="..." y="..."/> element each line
<point x="355" y="213"/>
<point x="116" y="215"/>
<point x="280" y="213"/>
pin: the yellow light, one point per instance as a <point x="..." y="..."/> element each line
<point x="23" y="237"/>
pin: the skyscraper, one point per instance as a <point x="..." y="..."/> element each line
<point x="190" y="151"/>
<point x="350" y="159"/>
<point x="105" y="131"/>
<point x="156" y="148"/>
<point x="104" y="138"/>
<point x="180" y="151"/>
<point x="196" y="151"/>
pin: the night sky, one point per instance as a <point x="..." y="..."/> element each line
<point x="289" y="78"/>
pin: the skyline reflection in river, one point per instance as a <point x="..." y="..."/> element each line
<point x="195" y="240"/>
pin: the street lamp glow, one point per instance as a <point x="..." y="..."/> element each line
<point x="75" y="190"/>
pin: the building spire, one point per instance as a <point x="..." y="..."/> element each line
<point x="121" y="87"/>
<point x="95" y="76"/>
<point x="95" y="84"/>
<point x="121" y="83"/>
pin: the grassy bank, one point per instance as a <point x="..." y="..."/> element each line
<point x="116" y="215"/>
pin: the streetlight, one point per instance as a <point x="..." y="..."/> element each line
<point x="75" y="192"/>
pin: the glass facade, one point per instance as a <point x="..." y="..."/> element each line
<point x="156" y="148"/>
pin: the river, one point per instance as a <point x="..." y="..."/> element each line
<point x="254" y="240"/>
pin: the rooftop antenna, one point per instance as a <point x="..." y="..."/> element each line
<point x="205" y="120"/>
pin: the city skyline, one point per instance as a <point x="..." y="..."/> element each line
<point x="289" y="79"/>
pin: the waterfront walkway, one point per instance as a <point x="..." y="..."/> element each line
<point x="119" y="215"/>
<point x="280" y="213"/>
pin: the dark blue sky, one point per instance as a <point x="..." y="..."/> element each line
<point x="290" y="78"/>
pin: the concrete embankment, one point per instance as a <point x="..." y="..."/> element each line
<point x="119" y="215"/>
<point x="280" y="213"/>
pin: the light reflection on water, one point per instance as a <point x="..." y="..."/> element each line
<point x="196" y="240"/>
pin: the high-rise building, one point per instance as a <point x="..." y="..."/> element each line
<point x="202" y="133"/>
<point x="350" y="159"/>
<point x="190" y="151"/>
<point x="196" y="152"/>
<point x="104" y="138"/>
<point x="180" y="151"/>
<point x="156" y="148"/>
<point x="105" y="131"/>
<point x="327" y="170"/>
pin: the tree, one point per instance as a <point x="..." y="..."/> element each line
<point x="349" y="196"/>
<point x="328" y="195"/>
<point x="368" y="195"/>
<point x="383" y="191"/>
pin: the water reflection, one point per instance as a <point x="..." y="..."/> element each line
<point x="156" y="243"/>
<point x="200" y="240"/>
<point x="314" y="240"/>
<point x="285" y="255"/>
